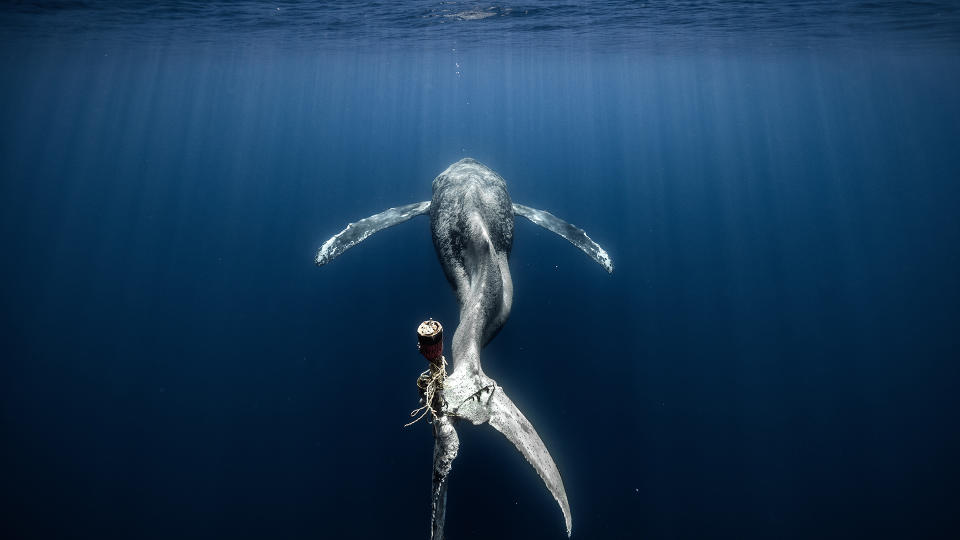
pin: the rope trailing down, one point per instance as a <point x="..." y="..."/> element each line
<point x="430" y="382"/>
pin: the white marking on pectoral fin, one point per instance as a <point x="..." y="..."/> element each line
<point x="361" y="230"/>
<point x="575" y="235"/>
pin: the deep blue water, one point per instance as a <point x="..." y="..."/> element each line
<point x="775" y="355"/>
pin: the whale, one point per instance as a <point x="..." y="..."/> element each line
<point x="472" y="224"/>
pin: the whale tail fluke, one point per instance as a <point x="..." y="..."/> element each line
<point x="361" y="230"/>
<point x="480" y="399"/>
<point x="506" y="418"/>
<point x="446" y="445"/>
<point x="575" y="235"/>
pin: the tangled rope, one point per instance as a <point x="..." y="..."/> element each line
<point x="430" y="383"/>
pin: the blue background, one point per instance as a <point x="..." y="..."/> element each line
<point x="774" y="356"/>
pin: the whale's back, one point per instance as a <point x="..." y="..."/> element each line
<point x="470" y="205"/>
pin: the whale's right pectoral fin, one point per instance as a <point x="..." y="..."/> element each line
<point x="359" y="231"/>
<point x="575" y="235"/>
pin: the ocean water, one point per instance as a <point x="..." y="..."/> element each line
<point x="775" y="355"/>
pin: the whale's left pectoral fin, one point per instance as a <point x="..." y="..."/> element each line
<point x="361" y="230"/>
<point x="575" y="235"/>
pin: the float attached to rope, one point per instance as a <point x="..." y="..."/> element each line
<point x="430" y="340"/>
<point x="430" y="382"/>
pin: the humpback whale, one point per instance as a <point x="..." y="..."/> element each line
<point x="471" y="221"/>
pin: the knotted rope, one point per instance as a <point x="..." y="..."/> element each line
<point x="430" y="383"/>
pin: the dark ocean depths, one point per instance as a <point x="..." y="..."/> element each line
<point x="775" y="355"/>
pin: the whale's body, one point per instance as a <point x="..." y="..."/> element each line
<point x="471" y="218"/>
<point x="471" y="221"/>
